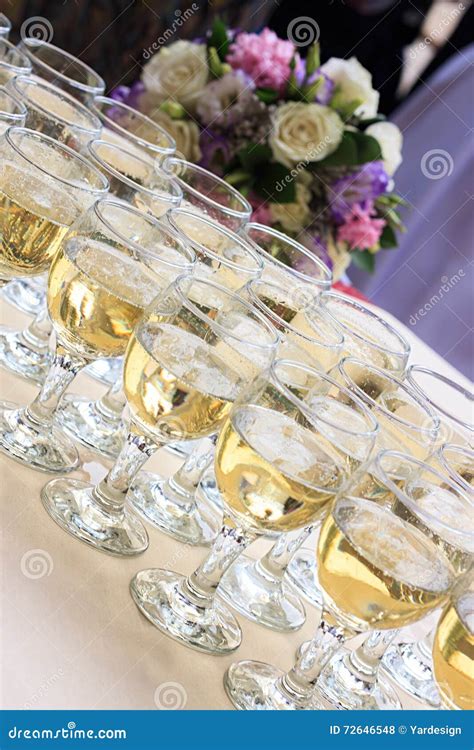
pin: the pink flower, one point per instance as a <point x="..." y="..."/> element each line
<point x="261" y="212"/>
<point x="360" y="230"/>
<point x="264" y="57"/>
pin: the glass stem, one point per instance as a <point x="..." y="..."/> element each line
<point x="38" y="333"/>
<point x="62" y="372"/>
<point x="363" y="662"/>
<point x="182" y="485"/>
<point x="113" y="402"/>
<point x="300" y="681"/>
<point x="111" y="492"/>
<point x="277" y="559"/>
<point x="200" y="587"/>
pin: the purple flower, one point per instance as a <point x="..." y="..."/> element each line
<point x="361" y="187"/>
<point x="321" y="251"/>
<point x="215" y="151"/>
<point x="326" y="89"/>
<point x="126" y="95"/>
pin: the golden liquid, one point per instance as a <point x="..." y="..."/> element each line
<point x="453" y="654"/>
<point x="35" y="214"/>
<point x="377" y="570"/>
<point x="177" y="386"/>
<point x="96" y="295"/>
<point x="274" y="473"/>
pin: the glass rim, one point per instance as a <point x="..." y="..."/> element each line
<point x="189" y="279"/>
<point x="444" y="379"/>
<point x="367" y="311"/>
<point x="36" y="135"/>
<point x="236" y="238"/>
<point x="412" y="505"/>
<point x="255" y="226"/>
<point x="5" y="22"/>
<point x="29" y="43"/>
<point x="232" y="212"/>
<point x="20" y="69"/>
<point x="400" y="384"/>
<point x="254" y="283"/>
<point x="281" y="362"/>
<point x="161" y="226"/>
<point x="451" y="471"/>
<point x="14" y="115"/>
<point x="30" y="81"/>
<point x="115" y="126"/>
<point x="92" y="149"/>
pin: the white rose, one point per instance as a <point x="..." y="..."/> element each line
<point x="353" y="82"/>
<point x="293" y="216"/>
<point x="178" y="72"/>
<point x="184" y="132"/>
<point x="304" y="132"/>
<point x="390" y="140"/>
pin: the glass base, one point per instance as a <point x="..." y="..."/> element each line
<point x="192" y="525"/>
<point x="350" y="693"/>
<point x="302" y="574"/>
<point x="89" y="426"/>
<point x="21" y="358"/>
<point x="71" y="504"/>
<point x="25" y="295"/>
<point x="209" y="490"/>
<point x="159" y="595"/>
<point x="406" y="666"/>
<point x="45" y="448"/>
<point x="183" y="449"/>
<point x="255" y="686"/>
<point x="106" y="371"/>
<point x="260" y="597"/>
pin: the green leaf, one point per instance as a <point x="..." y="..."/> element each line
<point x="253" y="155"/>
<point x="363" y="259"/>
<point x="344" y="155"/>
<point x="388" y="238"/>
<point x="274" y="182"/>
<point x="309" y="90"/>
<point x="363" y="124"/>
<point x="266" y="95"/>
<point x="312" y="59"/>
<point x="219" y="39"/>
<point x="368" y="148"/>
<point x="238" y="177"/>
<point x="347" y="109"/>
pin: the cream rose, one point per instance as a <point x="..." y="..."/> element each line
<point x="178" y="72"/>
<point x="390" y="140"/>
<point x="353" y="82"/>
<point x="293" y="216"/>
<point x="304" y="132"/>
<point x="184" y="132"/>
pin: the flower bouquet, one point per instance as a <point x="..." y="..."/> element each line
<point x="302" y="141"/>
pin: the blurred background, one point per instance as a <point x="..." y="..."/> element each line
<point x="420" y="54"/>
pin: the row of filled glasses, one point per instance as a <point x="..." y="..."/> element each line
<point x="179" y="389"/>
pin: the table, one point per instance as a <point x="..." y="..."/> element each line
<point x="72" y="637"/>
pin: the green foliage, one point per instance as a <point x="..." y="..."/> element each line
<point x="363" y="259"/>
<point x="219" y="39"/>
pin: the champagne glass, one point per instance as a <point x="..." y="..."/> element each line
<point x="206" y="193"/>
<point x="256" y="589"/>
<point x="12" y="62"/>
<point x="376" y="570"/>
<point x="12" y="111"/>
<point x="457" y="462"/>
<point x="410" y="664"/>
<point x="130" y="129"/>
<point x="62" y="69"/>
<point x="195" y="347"/>
<point x="453" y="647"/>
<point x="107" y="269"/>
<point x="5" y="26"/>
<point x="27" y="353"/>
<point x="437" y="505"/>
<point x="136" y="180"/>
<point x="283" y="452"/>
<point x="171" y="505"/>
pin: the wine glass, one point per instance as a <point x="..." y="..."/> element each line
<point x="130" y="129"/>
<point x="12" y="62"/>
<point x="410" y="664"/>
<point x="206" y="193"/>
<point x="171" y="504"/>
<point x="12" y="111"/>
<point x="136" y="180"/>
<point x="453" y="647"/>
<point x="195" y="347"/>
<point x="62" y="69"/>
<point x="27" y="353"/>
<point x="285" y="449"/>
<point x="5" y="26"/>
<point x="256" y="589"/>
<point x="376" y="570"/>
<point x="106" y="270"/>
